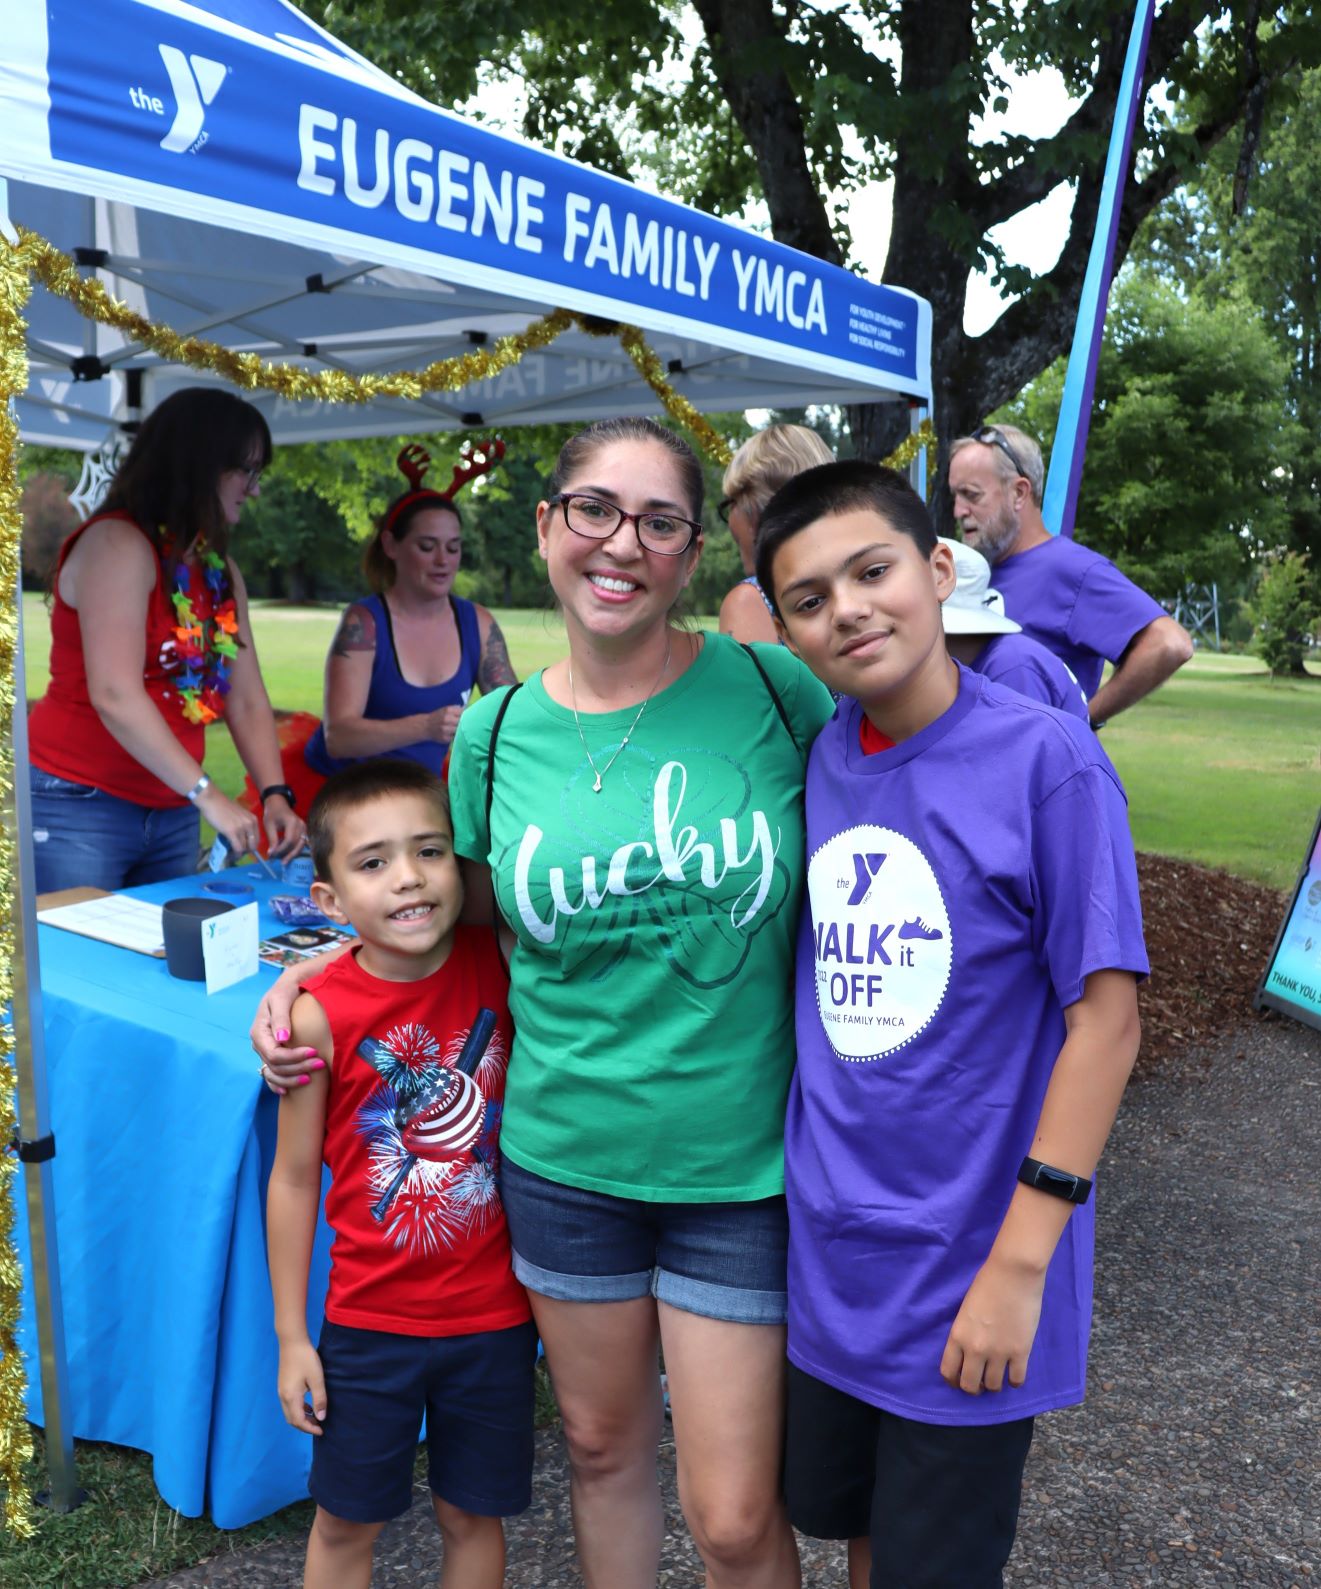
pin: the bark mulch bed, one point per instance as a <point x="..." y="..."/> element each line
<point x="1208" y="939"/>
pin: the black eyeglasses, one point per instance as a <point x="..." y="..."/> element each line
<point x="725" y="507"/>
<point x="597" y="521"/>
<point x="989" y="435"/>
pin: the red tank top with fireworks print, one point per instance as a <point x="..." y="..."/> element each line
<point x="412" y="1145"/>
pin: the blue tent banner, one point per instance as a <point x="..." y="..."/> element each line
<point x="348" y="152"/>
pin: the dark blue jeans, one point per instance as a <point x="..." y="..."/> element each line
<point x="82" y="837"/>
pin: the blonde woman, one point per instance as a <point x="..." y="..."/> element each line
<point x="756" y="472"/>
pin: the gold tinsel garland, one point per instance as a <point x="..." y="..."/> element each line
<point x="678" y="407"/>
<point x="910" y="446"/>
<point x="15" y="1435"/>
<point x="61" y="275"/>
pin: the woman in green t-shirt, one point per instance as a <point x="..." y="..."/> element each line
<point x="636" y="809"/>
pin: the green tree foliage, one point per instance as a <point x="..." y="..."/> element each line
<point x="356" y="478"/>
<point x="1253" y="233"/>
<point x="46" y="475"/>
<point x="1285" y="611"/>
<point x="730" y="103"/>
<point x="501" y="565"/>
<point x="292" y="543"/>
<point x="48" y="516"/>
<point x="1187" y="436"/>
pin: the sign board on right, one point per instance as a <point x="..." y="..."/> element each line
<point x="1292" y="980"/>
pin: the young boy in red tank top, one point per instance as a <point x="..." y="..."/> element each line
<point x="423" y="1313"/>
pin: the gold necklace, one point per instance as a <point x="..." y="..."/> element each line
<point x="646" y="700"/>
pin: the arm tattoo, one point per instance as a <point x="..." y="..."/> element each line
<point x="356" y="632"/>
<point x="495" y="667"/>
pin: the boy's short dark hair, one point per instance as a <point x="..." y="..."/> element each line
<point x="358" y="786"/>
<point x="842" y="487"/>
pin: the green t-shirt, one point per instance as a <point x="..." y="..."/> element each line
<point x="653" y="976"/>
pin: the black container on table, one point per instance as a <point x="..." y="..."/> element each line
<point x="181" y="920"/>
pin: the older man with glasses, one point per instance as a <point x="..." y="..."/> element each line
<point x="1071" y="599"/>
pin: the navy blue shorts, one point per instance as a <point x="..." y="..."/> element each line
<point x="938" y="1502"/>
<point x="719" y="1260"/>
<point x="477" y="1394"/>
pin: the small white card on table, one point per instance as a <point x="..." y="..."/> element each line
<point x="229" y="947"/>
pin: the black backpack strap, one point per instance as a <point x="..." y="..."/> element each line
<point x="774" y="695"/>
<point x="490" y="752"/>
<point x="490" y="790"/>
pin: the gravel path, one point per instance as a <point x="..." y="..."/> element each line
<point x="1196" y="1459"/>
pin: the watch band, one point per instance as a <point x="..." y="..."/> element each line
<point x="198" y="790"/>
<point x="280" y="789"/>
<point x="1057" y="1183"/>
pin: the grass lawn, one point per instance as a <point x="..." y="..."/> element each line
<point x="1221" y="766"/>
<point x="123" y="1533"/>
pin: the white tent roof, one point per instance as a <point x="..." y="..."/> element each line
<point x="237" y="173"/>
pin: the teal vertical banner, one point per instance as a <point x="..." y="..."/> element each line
<point x="1066" y="454"/>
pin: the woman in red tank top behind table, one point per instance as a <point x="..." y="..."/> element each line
<point x="150" y="642"/>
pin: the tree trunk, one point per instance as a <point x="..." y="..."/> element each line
<point x="936" y="40"/>
<point x="878" y="428"/>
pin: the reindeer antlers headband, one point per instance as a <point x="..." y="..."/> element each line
<point x="474" y="459"/>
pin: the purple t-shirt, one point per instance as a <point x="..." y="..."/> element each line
<point x="1023" y="664"/>
<point x="1076" y="603"/>
<point x="962" y="885"/>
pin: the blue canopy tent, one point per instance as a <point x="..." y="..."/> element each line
<point x="235" y="173"/>
<point x="241" y="175"/>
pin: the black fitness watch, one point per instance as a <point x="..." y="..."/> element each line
<point x="280" y="789"/>
<point x="1057" y="1183"/>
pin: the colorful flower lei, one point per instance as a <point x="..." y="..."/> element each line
<point x="207" y="632"/>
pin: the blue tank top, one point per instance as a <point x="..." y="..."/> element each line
<point x="391" y="695"/>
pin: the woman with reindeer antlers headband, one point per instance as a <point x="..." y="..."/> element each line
<point x="406" y="658"/>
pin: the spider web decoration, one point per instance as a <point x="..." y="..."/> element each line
<point x="98" y="471"/>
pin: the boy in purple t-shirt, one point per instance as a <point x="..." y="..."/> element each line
<point x="967" y="1020"/>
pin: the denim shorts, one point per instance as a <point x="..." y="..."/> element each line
<point x="477" y="1393"/>
<point x="718" y="1260"/>
<point x="82" y="836"/>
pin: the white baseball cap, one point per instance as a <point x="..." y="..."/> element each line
<point x="972" y="607"/>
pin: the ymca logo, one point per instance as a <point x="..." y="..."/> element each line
<point x="865" y="868"/>
<point x="196" y="82"/>
<point x="883" y="956"/>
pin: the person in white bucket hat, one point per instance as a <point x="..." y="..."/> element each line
<point x="979" y="634"/>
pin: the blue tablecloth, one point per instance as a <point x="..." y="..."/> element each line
<point x="165" y="1136"/>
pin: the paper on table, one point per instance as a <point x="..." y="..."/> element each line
<point x="229" y="947"/>
<point x="113" y="918"/>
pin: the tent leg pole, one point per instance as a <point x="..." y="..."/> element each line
<point x="34" y="1118"/>
<point x="917" y="470"/>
